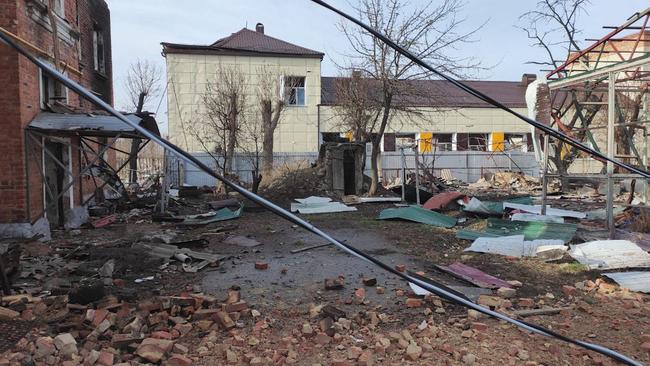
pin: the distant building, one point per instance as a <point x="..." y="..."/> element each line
<point x="29" y="177"/>
<point x="467" y="123"/>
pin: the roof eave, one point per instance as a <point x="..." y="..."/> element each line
<point x="171" y="48"/>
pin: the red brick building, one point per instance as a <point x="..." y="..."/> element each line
<point x="84" y="48"/>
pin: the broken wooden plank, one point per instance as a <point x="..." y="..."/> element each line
<point x="8" y="314"/>
<point x="310" y="248"/>
<point x="537" y="312"/>
<point x="474" y="276"/>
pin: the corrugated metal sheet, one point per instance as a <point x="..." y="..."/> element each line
<point x="474" y="276"/>
<point x="75" y="122"/>
<point x="463" y="165"/>
<point x="537" y="209"/>
<point x="417" y="214"/>
<point x="634" y="281"/>
<point x="516" y="246"/>
<point x="493" y="208"/>
<point x="530" y="230"/>
<point x="610" y="254"/>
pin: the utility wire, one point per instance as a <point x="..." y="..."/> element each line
<point x="427" y="284"/>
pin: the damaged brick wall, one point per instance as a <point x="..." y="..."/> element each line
<point x="21" y="187"/>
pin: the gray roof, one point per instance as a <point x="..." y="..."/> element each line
<point x="88" y="124"/>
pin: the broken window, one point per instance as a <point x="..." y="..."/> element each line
<point x="98" y="52"/>
<point x="51" y="91"/>
<point x="443" y="141"/>
<point x="295" y="89"/>
<point x="515" y="141"/>
<point x="405" y="140"/>
<point x="478" y="141"/>
<point x="471" y="141"/>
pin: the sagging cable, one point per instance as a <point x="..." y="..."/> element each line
<point x="428" y="285"/>
<point x="484" y="97"/>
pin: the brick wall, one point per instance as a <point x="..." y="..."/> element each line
<point x="21" y="189"/>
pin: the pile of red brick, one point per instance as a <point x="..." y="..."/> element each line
<point x="116" y="333"/>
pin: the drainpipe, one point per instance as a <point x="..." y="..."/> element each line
<point x="318" y="138"/>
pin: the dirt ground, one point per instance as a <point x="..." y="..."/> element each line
<point x="383" y="327"/>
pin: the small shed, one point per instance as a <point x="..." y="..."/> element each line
<point x="343" y="165"/>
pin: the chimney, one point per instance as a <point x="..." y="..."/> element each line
<point x="526" y="79"/>
<point x="259" y="28"/>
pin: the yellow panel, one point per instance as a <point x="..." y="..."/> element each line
<point x="426" y="142"/>
<point x="498" y="143"/>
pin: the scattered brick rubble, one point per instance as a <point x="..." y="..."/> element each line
<point x="195" y="328"/>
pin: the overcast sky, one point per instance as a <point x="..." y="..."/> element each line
<point x="139" y="26"/>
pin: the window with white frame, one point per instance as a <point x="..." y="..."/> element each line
<point x="99" y="52"/>
<point x="443" y="141"/>
<point x="294" y="87"/>
<point x="59" y="8"/>
<point x="51" y="91"/>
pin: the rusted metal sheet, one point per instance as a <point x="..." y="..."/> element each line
<point x="442" y="200"/>
<point x="474" y="276"/>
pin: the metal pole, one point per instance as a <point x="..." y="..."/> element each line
<point x="401" y="149"/>
<point x="611" y="115"/>
<point x="417" y="175"/>
<point x="545" y="173"/>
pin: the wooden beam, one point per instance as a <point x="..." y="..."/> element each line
<point x="63" y="65"/>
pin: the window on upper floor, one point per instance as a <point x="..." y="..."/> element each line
<point x="294" y="87"/>
<point x="51" y="91"/>
<point x="99" y="52"/>
<point x="59" y="8"/>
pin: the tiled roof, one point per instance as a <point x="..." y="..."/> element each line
<point x="246" y="42"/>
<point x="440" y="93"/>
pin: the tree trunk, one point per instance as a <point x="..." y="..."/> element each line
<point x="135" y="145"/>
<point x="267" y="151"/>
<point x="374" y="167"/>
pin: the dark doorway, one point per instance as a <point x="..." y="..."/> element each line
<point x="54" y="179"/>
<point x="349" y="172"/>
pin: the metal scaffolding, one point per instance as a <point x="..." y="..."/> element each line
<point x="615" y="67"/>
<point x="92" y="137"/>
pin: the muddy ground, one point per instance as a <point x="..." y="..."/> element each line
<point x="293" y="285"/>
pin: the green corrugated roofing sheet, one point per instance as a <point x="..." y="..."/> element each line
<point x="418" y="214"/>
<point x="496" y="207"/>
<point x="530" y="230"/>
<point x="221" y="215"/>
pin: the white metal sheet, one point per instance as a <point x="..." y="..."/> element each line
<point x="634" y="281"/>
<point x="537" y="209"/>
<point x="515" y="246"/>
<point x="610" y="254"/>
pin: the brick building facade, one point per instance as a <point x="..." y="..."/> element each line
<point x="84" y="44"/>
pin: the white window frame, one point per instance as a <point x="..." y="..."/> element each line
<point x="288" y="95"/>
<point x="59" y="8"/>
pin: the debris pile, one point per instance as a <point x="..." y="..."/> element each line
<point x="110" y="332"/>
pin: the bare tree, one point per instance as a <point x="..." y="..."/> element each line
<point x="431" y="31"/>
<point x="142" y="85"/>
<point x="224" y="104"/>
<point x="358" y="109"/>
<point x="251" y="145"/>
